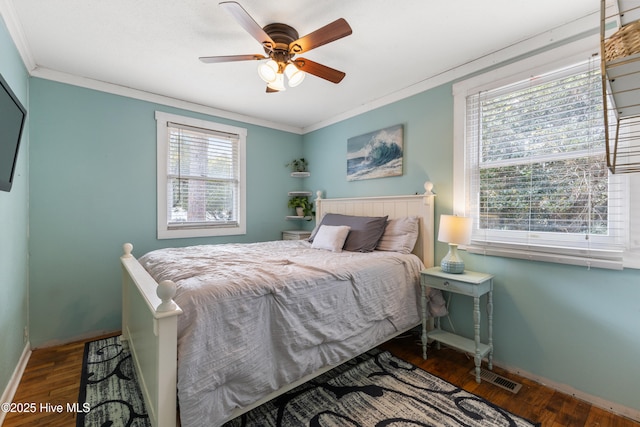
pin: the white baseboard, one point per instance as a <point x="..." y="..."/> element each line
<point x="634" y="414"/>
<point x="599" y="402"/>
<point x="84" y="337"/>
<point x="10" y="390"/>
<point x="616" y="408"/>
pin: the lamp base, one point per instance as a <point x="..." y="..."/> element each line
<point x="452" y="263"/>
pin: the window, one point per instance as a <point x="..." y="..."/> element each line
<point x="530" y="166"/>
<point x="201" y="182"/>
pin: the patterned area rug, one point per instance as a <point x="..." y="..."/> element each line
<point x="374" y="389"/>
<point x="378" y="389"/>
<point x="109" y="387"/>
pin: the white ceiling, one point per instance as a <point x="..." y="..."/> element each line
<point x="397" y="47"/>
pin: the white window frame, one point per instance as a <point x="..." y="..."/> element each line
<point x="166" y="232"/>
<point x="517" y="71"/>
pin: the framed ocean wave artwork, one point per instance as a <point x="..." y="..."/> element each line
<point x="375" y="154"/>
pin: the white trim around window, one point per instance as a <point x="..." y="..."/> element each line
<point x="623" y="254"/>
<point x="167" y="226"/>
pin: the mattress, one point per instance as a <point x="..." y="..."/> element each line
<point x="259" y="316"/>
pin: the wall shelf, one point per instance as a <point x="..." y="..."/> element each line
<point x="300" y="174"/>
<point x="299" y="193"/>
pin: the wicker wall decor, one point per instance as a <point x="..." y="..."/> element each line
<point x="620" y="65"/>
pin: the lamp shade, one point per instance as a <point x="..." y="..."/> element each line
<point x="455" y="229"/>
<point x="294" y="75"/>
<point x="268" y="70"/>
<point x="277" y="83"/>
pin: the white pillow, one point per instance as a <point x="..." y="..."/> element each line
<point x="331" y="237"/>
<point x="400" y="235"/>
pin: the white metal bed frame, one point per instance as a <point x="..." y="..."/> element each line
<point x="150" y="316"/>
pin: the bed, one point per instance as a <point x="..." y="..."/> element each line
<point x="230" y="362"/>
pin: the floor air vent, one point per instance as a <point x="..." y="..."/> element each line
<point x="498" y="380"/>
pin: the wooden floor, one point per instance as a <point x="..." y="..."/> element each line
<point x="52" y="377"/>
<point x="533" y="402"/>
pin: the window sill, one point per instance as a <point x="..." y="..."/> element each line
<point x="631" y="259"/>
<point x="608" y="260"/>
<point x="180" y="233"/>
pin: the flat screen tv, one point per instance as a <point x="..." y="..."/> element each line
<point x="12" y="117"/>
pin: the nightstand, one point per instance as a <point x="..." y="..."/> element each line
<point x="295" y="235"/>
<point x="469" y="283"/>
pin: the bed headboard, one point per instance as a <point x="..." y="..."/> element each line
<point x="420" y="205"/>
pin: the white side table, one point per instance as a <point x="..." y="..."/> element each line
<point x="469" y="283"/>
<point x="296" y="235"/>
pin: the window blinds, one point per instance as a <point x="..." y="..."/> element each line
<point x="202" y="178"/>
<point x="537" y="172"/>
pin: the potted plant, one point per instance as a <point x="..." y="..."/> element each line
<point x="297" y="165"/>
<point x="302" y="205"/>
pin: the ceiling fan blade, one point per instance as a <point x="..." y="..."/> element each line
<point x="327" y="34"/>
<point x="271" y="90"/>
<point x="246" y="21"/>
<point x="319" y="70"/>
<point x="231" y="58"/>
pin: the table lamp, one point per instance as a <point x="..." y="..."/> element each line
<point x="454" y="230"/>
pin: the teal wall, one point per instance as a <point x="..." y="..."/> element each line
<point x="87" y="185"/>
<point x="570" y="325"/>
<point x="428" y="132"/>
<point x="13" y="227"/>
<point x="93" y="188"/>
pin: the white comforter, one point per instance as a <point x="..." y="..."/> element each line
<point x="259" y="316"/>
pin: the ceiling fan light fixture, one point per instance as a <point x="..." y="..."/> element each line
<point x="281" y="42"/>
<point x="268" y="71"/>
<point x="278" y="83"/>
<point x="294" y="75"/>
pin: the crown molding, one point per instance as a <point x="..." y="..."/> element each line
<point x="17" y="33"/>
<point x="60" y="77"/>
<point x="576" y="29"/>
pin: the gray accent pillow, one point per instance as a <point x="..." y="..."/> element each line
<point x="400" y="235"/>
<point x="365" y="230"/>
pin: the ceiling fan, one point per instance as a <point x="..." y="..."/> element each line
<point x="281" y="44"/>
